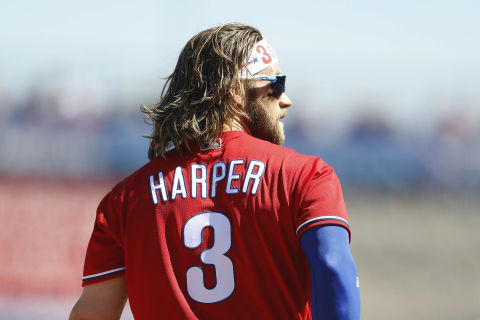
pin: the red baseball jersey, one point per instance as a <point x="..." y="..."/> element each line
<point x="214" y="235"/>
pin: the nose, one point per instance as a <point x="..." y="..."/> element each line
<point x="285" y="101"/>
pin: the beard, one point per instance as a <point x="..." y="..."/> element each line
<point x="263" y="124"/>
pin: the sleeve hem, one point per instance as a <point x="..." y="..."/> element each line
<point x="102" y="276"/>
<point x="323" y="221"/>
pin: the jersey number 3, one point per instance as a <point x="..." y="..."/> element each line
<point x="192" y="238"/>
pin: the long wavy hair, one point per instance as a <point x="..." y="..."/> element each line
<point x="197" y="98"/>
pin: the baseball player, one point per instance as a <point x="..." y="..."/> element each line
<point x="223" y="222"/>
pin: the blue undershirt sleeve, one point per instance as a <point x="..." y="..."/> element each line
<point x="334" y="279"/>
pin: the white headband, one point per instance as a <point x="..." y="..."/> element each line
<point x="261" y="57"/>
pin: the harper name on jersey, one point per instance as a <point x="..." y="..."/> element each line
<point x="179" y="186"/>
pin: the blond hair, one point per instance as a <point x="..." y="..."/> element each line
<point x="197" y="98"/>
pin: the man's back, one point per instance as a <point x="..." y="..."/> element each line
<point x="204" y="234"/>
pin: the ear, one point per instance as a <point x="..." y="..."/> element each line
<point x="240" y="95"/>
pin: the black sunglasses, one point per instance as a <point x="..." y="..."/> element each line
<point x="277" y="83"/>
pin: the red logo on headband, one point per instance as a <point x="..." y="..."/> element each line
<point x="266" y="57"/>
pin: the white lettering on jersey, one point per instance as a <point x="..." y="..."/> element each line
<point x="217" y="177"/>
<point x="160" y="186"/>
<point x="196" y="180"/>
<point x="250" y="175"/>
<point x="178" y="186"/>
<point x="199" y="175"/>
<point x="232" y="176"/>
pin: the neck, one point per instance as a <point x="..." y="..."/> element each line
<point x="237" y="125"/>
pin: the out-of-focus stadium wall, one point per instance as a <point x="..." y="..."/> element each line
<point x="376" y="160"/>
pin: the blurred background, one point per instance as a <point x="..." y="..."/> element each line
<point x="387" y="93"/>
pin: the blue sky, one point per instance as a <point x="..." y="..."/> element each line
<point x="410" y="55"/>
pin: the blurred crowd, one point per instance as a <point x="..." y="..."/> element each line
<point x="71" y="127"/>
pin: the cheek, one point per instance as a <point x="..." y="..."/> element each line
<point x="273" y="109"/>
